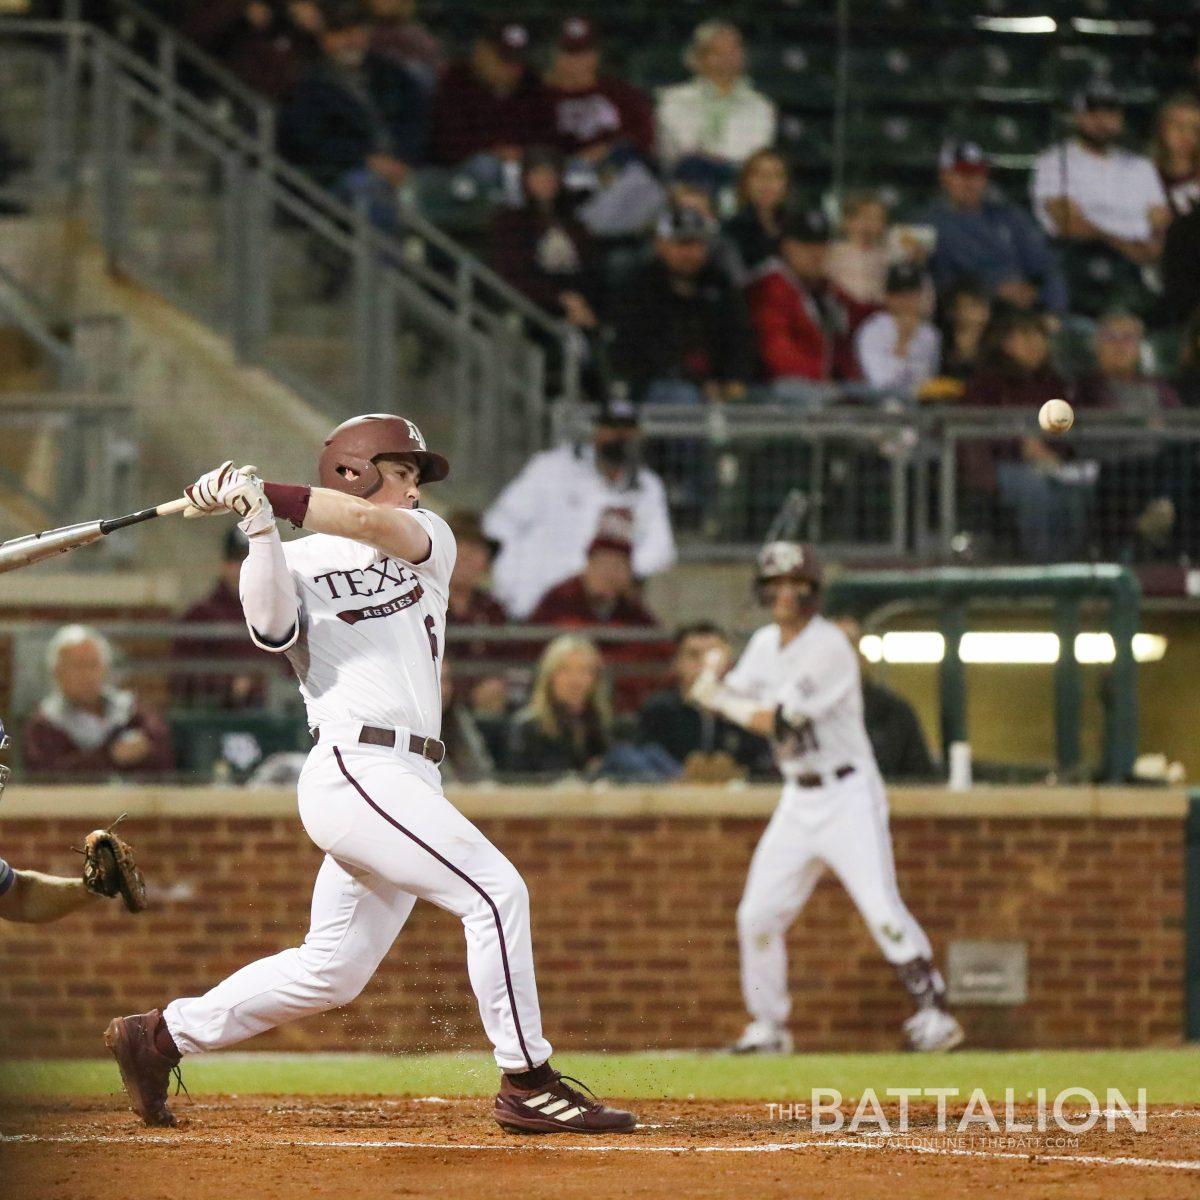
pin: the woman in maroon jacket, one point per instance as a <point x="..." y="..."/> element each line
<point x="1049" y="494"/>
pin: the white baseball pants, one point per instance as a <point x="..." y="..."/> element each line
<point x="390" y="838"/>
<point x="842" y="826"/>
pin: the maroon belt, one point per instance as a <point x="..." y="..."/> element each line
<point x="371" y="735"/>
<point x="814" y="780"/>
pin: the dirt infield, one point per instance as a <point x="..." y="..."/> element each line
<point x="284" y="1148"/>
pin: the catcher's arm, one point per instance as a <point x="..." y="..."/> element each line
<point x="34" y="898"/>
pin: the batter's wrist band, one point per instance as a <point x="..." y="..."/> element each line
<point x="289" y="501"/>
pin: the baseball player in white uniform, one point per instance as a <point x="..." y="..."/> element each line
<point x="359" y="607"/>
<point x="797" y="682"/>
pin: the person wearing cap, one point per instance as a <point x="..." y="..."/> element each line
<point x="227" y="692"/>
<point x="984" y="238"/>
<point x="592" y="114"/>
<point x="682" y="329"/>
<point x="605" y="594"/>
<point x="798" y="318"/>
<point x="397" y="33"/>
<point x="1105" y="204"/>
<point x="899" y="349"/>
<point x="545" y="519"/>
<point x="490" y="105"/>
<point x="356" y="122"/>
<point x="541" y="248"/>
<point x="717" y="116"/>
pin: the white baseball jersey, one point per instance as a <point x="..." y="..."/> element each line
<point x="815" y="680"/>
<point x="371" y="629"/>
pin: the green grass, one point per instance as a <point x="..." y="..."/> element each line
<point x="1169" y="1076"/>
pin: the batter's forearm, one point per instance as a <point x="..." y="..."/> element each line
<point x="267" y="592"/>
<point x="391" y="530"/>
<point x="35" y="898"/>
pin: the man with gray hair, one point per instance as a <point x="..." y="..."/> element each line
<point x="717" y="117"/>
<point x="87" y="728"/>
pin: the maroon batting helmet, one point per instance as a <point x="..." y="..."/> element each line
<point x="788" y="560"/>
<point x="356" y="444"/>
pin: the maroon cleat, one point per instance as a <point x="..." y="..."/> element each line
<point x="557" y="1108"/>
<point x="145" y="1070"/>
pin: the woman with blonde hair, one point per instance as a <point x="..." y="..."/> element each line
<point x="566" y="727"/>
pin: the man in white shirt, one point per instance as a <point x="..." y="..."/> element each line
<point x="718" y="116"/>
<point x="798" y="684"/>
<point x="898" y="349"/>
<point x="359" y="607"/>
<point x="1093" y="195"/>
<point x="546" y="517"/>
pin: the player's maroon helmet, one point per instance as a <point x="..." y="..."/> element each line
<point x="788" y="560"/>
<point x="355" y="444"/>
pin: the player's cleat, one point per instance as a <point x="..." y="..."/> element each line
<point x="761" y="1037"/>
<point x="145" y="1071"/>
<point x="933" y="1029"/>
<point x="557" y="1108"/>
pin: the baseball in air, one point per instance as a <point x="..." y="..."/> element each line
<point x="1056" y="416"/>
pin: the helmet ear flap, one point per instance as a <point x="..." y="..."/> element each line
<point x="333" y="464"/>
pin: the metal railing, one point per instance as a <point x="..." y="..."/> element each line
<point x="921" y="484"/>
<point x="196" y="205"/>
<point x="64" y="458"/>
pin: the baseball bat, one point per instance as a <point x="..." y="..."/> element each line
<point x="33" y="547"/>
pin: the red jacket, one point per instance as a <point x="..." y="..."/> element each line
<point x="49" y="752"/>
<point x="792" y="342"/>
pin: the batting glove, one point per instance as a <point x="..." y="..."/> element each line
<point x="237" y="490"/>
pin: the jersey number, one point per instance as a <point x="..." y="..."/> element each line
<point x="433" y="647"/>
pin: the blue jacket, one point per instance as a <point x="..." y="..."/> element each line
<point x="326" y="129"/>
<point x="996" y="243"/>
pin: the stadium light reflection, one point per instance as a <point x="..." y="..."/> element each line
<point x="1029" y="648"/>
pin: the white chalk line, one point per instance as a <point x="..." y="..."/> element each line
<point x="1090" y="1160"/>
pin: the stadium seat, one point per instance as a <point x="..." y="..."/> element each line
<point x="894" y="137"/>
<point x="807" y="137"/>
<point x="228" y="746"/>
<point x="795" y="74"/>
<point x="899" y="72"/>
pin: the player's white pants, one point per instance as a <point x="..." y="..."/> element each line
<point x="844" y="827"/>
<point x="390" y="837"/>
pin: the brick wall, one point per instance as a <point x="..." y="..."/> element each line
<point x="633" y="930"/>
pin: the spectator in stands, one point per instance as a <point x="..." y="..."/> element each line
<point x="86" y="728"/>
<point x="1049" y="494"/>
<point x="399" y="35"/>
<point x="541" y="248"/>
<point x="716" y="119"/>
<point x="968" y="310"/>
<point x="985" y="238"/>
<point x="1106" y="205"/>
<point x="752" y="232"/>
<point x="356" y="122"/>
<point x="594" y="116"/>
<point x="471" y="603"/>
<point x="706" y="746"/>
<point x="898" y="349"/>
<point x="566" y="728"/>
<point x="265" y="43"/>
<point x="489" y="106"/>
<point x="1175" y="150"/>
<point x="545" y="519"/>
<point x="222" y="604"/>
<point x="605" y="591"/>
<point x="1187" y="379"/>
<point x="469" y="756"/>
<point x="682" y="333"/>
<point x="1143" y="482"/>
<point x="858" y="260"/>
<point x="893" y="726"/>
<point x="799" y="321"/>
<point x="1181" y="269"/>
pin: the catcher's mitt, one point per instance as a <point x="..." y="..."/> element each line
<point x="109" y="868"/>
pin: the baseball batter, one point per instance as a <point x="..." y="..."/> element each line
<point x="359" y="608"/>
<point x="797" y="682"/>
